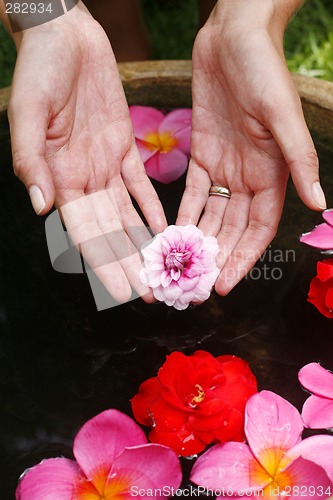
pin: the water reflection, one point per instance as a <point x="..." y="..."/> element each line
<point x="62" y="362"/>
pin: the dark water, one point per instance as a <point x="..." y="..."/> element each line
<point x="62" y="362"/>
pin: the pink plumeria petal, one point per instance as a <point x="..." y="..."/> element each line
<point x="145" y="120"/>
<point x="145" y="152"/>
<point x="328" y="216"/>
<point x="271" y="422"/>
<point x="317" y="413"/>
<point x="307" y="479"/>
<point x="52" y="479"/>
<point x="226" y="466"/>
<point x="320" y="237"/>
<point x="318" y="449"/>
<point x="150" y="466"/>
<point x="317" y="380"/>
<point x="178" y="124"/>
<point x="167" y="167"/>
<point x="103" y="438"/>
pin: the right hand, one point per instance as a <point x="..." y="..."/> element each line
<point x="248" y="133"/>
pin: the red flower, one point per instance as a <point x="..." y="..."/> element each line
<point x="321" y="288"/>
<point x="195" y="400"/>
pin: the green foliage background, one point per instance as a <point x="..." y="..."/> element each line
<point x="173" y="25"/>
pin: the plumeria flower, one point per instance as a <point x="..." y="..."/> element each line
<point x="275" y="462"/>
<point x="113" y="461"/>
<point x="317" y="410"/>
<point x="322" y="235"/>
<point x="180" y="266"/>
<point x="163" y="141"/>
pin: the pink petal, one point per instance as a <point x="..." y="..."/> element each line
<point x="271" y="422"/>
<point x="317" y="413"/>
<point x="328" y="216"/>
<point x="225" y="466"/>
<point x="150" y="466"/>
<point x="145" y="120"/>
<point x="52" y="479"/>
<point x="308" y="480"/>
<point x="188" y="283"/>
<point x="103" y="438"/>
<point x="145" y="152"/>
<point x="167" y="167"/>
<point x="317" y="380"/>
<point x="320" y="237"/>
<point x="317" y="449"/>
<point x="178" y="123"/>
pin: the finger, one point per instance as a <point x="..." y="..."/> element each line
<point x="142" y="190"/>
<point x="265" y="213"/>
<point x="195" y="195"/>
<point x="109" y="217"/>
<point x="211" y="220"/>
<point x="87" y="235"/>
<point x="290" y="131"/>
<point x="28" y="127"/>
<point x="235" y="222"/>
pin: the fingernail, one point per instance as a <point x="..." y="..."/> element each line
<point x="37" y="199"/>
<point x="318" y="196"/>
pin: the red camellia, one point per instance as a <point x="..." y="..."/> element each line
<point x="321" y="288"/>
<point x="195" y="400"/>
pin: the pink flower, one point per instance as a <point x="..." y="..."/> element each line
<point x="275" y="462"/>
<point x="317" y="411"/>
<point x="180" y="266"/>
<point x="321" y="236"/>
<point x="163" y="141"/>
<point x="113" y="457"/>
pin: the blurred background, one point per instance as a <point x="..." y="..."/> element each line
<point x="173" y="24"/>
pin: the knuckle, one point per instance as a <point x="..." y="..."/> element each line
<point x="19" y="165"/>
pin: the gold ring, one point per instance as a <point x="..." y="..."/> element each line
<point x="220" y="191"/>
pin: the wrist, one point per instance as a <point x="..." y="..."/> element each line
<point x="31" y="18"/>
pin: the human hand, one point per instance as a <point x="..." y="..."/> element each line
<point x="73" y="144"/>
<point x="248" y="133"/>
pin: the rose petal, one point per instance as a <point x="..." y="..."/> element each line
<point x="317" y="296"/>
<point x="317" y="413"/>
<point x="325" y="270"/>
<point x="145" y="120"/>
<point x="167" y="417"/>
<point x="317" y="380"/>
<point x="271" y="422"/>
<point x="151" y="466"/>
<point x="149" y="391"/>
<point x="167" y="167"/>
<point x="103" y="438"/>
<point x="226" y="466"/>
<point x="52" y="479"/>
<point x="183" y="442"/>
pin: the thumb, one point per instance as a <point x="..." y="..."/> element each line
<point x="28" y="126"/>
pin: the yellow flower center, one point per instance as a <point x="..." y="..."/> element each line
<point x="102" y="487"/>
<point x="198" y="398"/>
<point x="270" y="472"/>
<point x="163" y="142"/>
